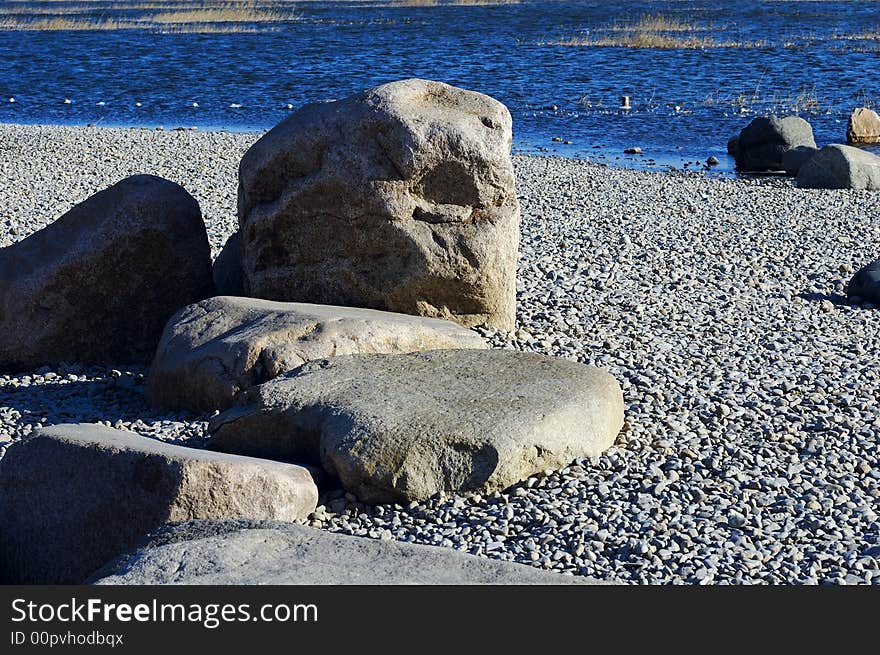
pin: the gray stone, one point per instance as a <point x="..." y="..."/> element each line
<point x="214" y="349"/>
<point x="99" y="284"/>
<point x="247" y="553"/>
<point x="841" y="167"/>
<point x="794" y="159"/>
<point x="863" y="127"/>
<point x="406" y="427"/>
<point x="399" y="198"/>
<point x="865" y="284"/>
<point x="73" y="496"/>
<point x="764" y="141"/>
<point x="228" y="276"/>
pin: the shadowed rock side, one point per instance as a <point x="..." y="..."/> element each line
<point x="74" y="496"/>
<point x="99" y="284"/>
<point x="213" y="350"/>
<point x="399" y="198"/>
<point x="228" y="277"/>
<point x="841" y="167"/>
<point x="241" y="552"/>
<point x="405" y="427"/>
<point x="865" y="284"/>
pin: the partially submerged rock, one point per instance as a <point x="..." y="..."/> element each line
<point x="764" y="141"/>
<point x="213" y="350"/>
<point x="99" y="284"/>
<point x="841" y="167"/>
<point x="400" y="198"/>
<point x="865" y="284"/>
<point x="406" y="427"/>
<point x="74" y="496"/>
<point x="863" y="127"/>
<point x="246" y="553"/>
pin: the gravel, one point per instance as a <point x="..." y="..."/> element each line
<point x="750" y="451"/>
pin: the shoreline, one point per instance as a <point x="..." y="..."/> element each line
<point x="752" y="432"/>
<point x="603" y="155"/>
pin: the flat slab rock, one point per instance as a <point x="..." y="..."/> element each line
<point x="74" y="496"/>
<point x="214" y="349"/>
<point x="406" y="427"/>
<point x="228" y="553"/>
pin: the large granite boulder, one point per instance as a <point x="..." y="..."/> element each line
<point x="74" y="496"/>
<point x="865" y="284"/>
<point x="213" y="350"/>
<point x="764" y="141"/>
<point x="400" y="198"/>
<point x="406" y="427"/>
<point x="841" y="167"/>
<point x="863" y="127"/>
<point x="260" y="553"/>
<point x="99" y="284"/>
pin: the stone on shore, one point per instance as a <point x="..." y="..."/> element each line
<point x="74" y="496"/>
<point x="863" y="127"/>
<point x="865" y="284"/>
<point x="228" y="277"/>
<point x="764" y="141"/>
<point x="99" y="284"/>
<point x="248" y="553"/>
<point x="406" y="427"/>
<point x="794" y="159"/>
<point x="841" y="167"/>
<point x="399" y="198"/>
<point x="213" y="350"/>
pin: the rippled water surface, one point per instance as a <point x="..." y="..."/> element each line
<point x="819" y="59"/>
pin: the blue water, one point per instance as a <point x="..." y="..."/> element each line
<point x="686" y="103"/>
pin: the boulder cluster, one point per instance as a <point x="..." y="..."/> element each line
<point x="787" y="144"/>
<point x="331" y="335"/>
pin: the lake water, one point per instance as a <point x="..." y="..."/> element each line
<point x="799" y="57"/>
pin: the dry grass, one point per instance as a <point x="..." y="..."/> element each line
<point x="655" y="23"/>
<point x="178" y="17"/>
<point x="656" y="31"/>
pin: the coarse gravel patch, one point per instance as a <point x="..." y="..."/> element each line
<point x="750" y="449"/>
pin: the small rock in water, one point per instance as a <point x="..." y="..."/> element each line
<point x="712" y="161"/>
<point x="633" y="151"/>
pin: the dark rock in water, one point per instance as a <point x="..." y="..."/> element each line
<point x="841" y="167"/>
<point x="99" y="284"/>
<point x="399" y="198"/>
<point x="632" y="151"/>
<point x="764" y="141"/>
<point x="794" y="159"/>
<point x="865" y="284"/>
<point x="228" y="276"/>
<point x="712" y="161"/>
<point x="733" y="145"/>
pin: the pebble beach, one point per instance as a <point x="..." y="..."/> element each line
<point x="750" y="448"/>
